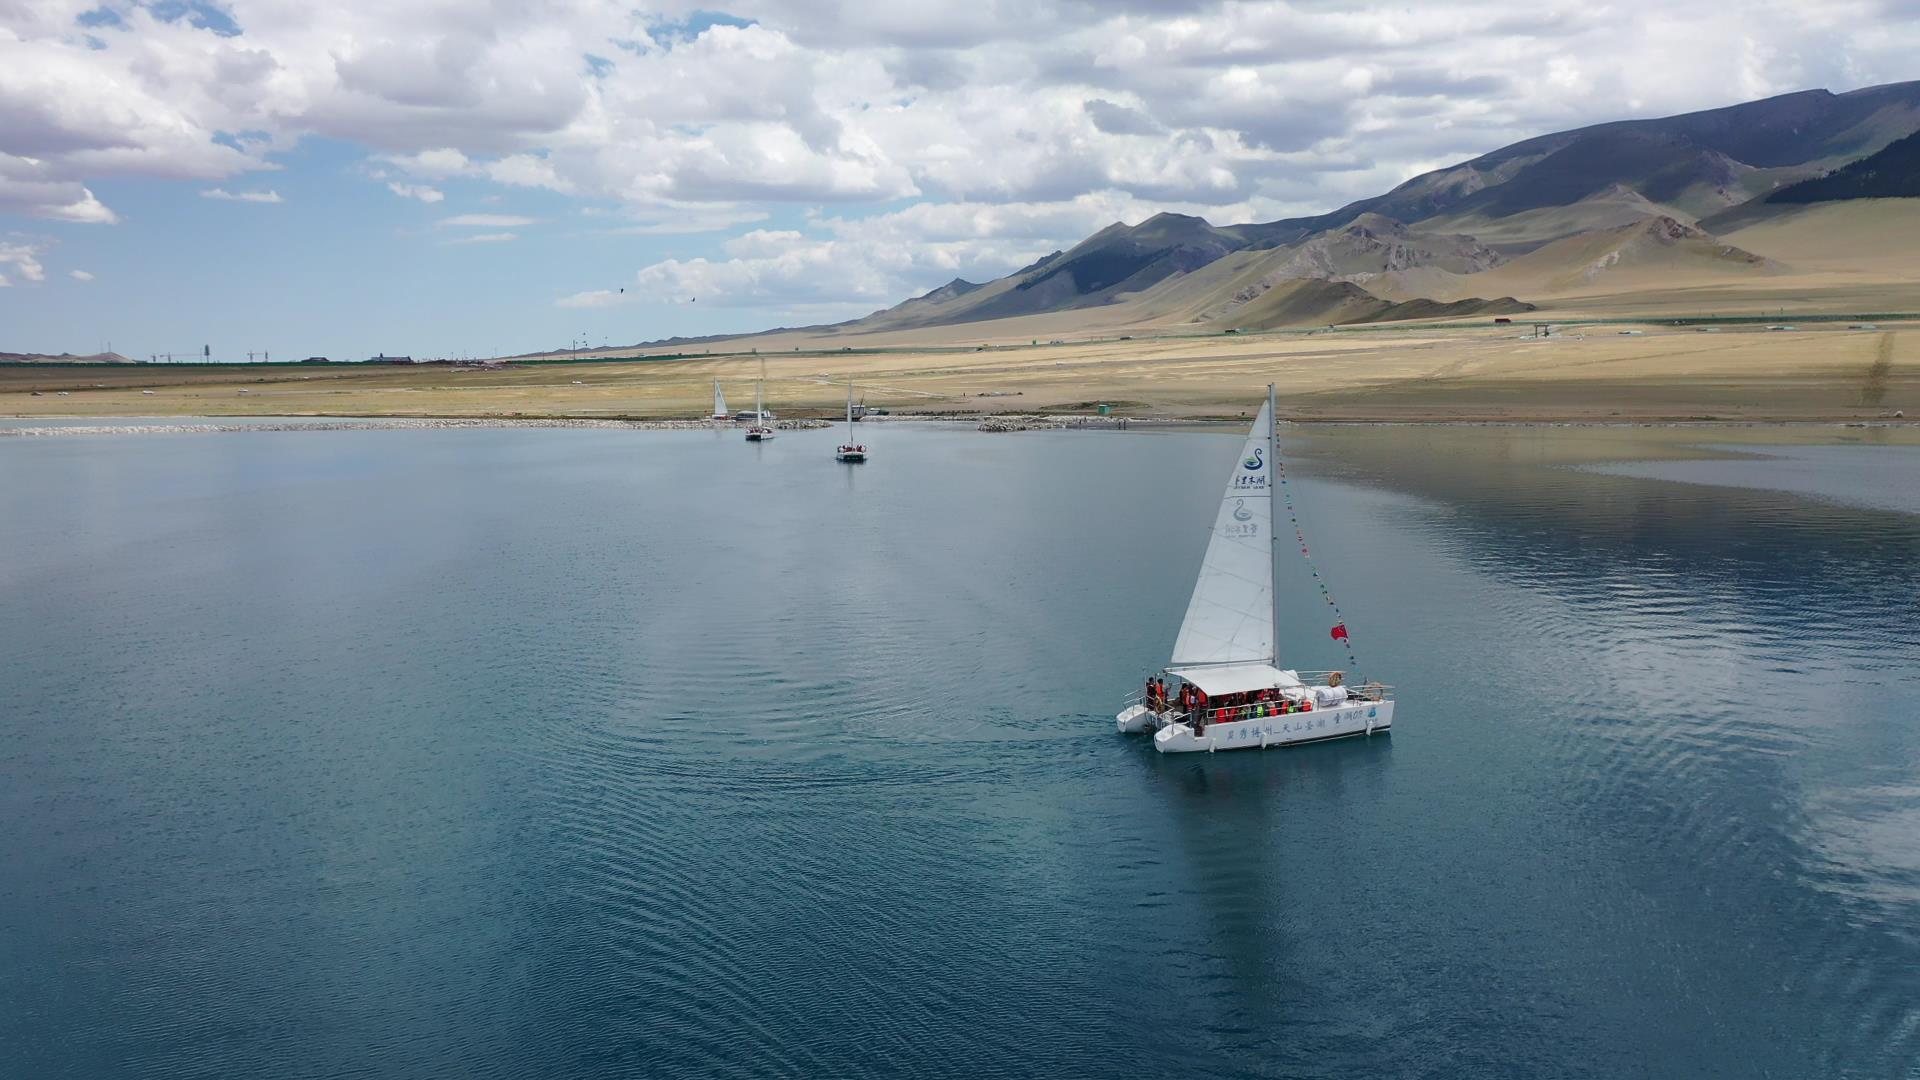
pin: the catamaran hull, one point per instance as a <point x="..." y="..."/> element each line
<point x="1358" y="718"/>
<point x="1136" y="719"/>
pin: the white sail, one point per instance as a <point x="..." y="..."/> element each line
<point x="1230" y="618"/>
<point x="719" y="400"/>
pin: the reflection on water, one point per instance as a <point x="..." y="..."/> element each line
<point x="521" y="753"/>
<point x="1878" y="478"/>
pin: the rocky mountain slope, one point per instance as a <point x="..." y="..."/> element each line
<point x="1568" y="212"/>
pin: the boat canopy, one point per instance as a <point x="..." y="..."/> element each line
<point x="1236" y="678"/>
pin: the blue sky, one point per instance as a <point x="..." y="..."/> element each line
<point x="497" y="176"/>
<point x="342" y="267"/>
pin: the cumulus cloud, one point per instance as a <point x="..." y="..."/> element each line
<point x="22" y="261"/>
<point x="242" y="196"/>
<point x="30" y="187"/>
<point x="79" y="275"/>
<point x="707" y="123"/>
<point x="845" y="102"/>
<point x="423" y="192"/>
<point x="861" y="263"/>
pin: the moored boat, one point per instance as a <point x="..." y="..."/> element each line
<point x="1229" y="691"/>
<point x="850" y="451"/>
<point x="762" y="428"/>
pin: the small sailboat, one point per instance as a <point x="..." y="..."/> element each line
<point x="719" y="404"/>
<point x="1232" y="692"/>
<point x="850" y="451"/>
<point x="762" y="428"/>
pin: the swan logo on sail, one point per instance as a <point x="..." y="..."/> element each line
<point x="1240" y="511"/>
<point x="1255" y="460"/>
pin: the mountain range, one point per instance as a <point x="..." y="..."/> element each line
<point x="1597" y="208"/>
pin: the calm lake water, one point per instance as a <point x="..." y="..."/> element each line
<point x="599" y="753"/>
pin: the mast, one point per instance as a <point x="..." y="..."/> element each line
<point x="759" y="387"/>
<point x="1273" y="514"/>
<point x="849" y="410"/>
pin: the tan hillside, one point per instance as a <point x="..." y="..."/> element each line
<point x="1610" y="208"/>
<point x="1865" y="237"/>
<point x="1658" y="252"/>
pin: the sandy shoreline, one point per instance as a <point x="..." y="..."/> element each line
<point x="374" y="424"/>
<point x="1790" y="431"/>
<point x="1467" y="373"/>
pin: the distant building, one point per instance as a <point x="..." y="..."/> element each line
<point x="385" y="359"/>
<point x="316" y="360"/>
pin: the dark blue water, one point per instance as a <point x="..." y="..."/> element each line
<point x="602" y="753"/>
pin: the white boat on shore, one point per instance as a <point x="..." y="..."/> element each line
<point x="1232" y="693"/>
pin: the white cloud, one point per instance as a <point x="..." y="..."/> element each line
<point x="485" y="238"/>
<point x="839" y="102"/>
<point x="242" y="196"/>
<point x="436" y="164"/>
<point x="598" y="298"/>
<point x="876" y="261"/>
<point x="489" y="221"/>
<point x="23" y="260"/>
<point x="1052" y="109"/>
<point x="422" y="192"/>
<point x="79" y="275"/>
<point x="28" y="186"/>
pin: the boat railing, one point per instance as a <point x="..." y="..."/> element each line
<point x="1308" y="679"/>
<point x="1139" y="697"/>
<point x="1260" y="710"/>
<point x="1370" y="691"/>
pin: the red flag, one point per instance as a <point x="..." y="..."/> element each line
<point x="1339" y="631"/>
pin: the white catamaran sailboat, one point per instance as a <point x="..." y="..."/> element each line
<point x="850" y="451"/>
<point x="1233" y="693"/>
<point x="719" y="404"/>
<point x="762" y="428"/>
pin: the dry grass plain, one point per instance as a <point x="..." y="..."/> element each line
<point x="1831" y="261"/>
<point x="1471" y="372"/>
